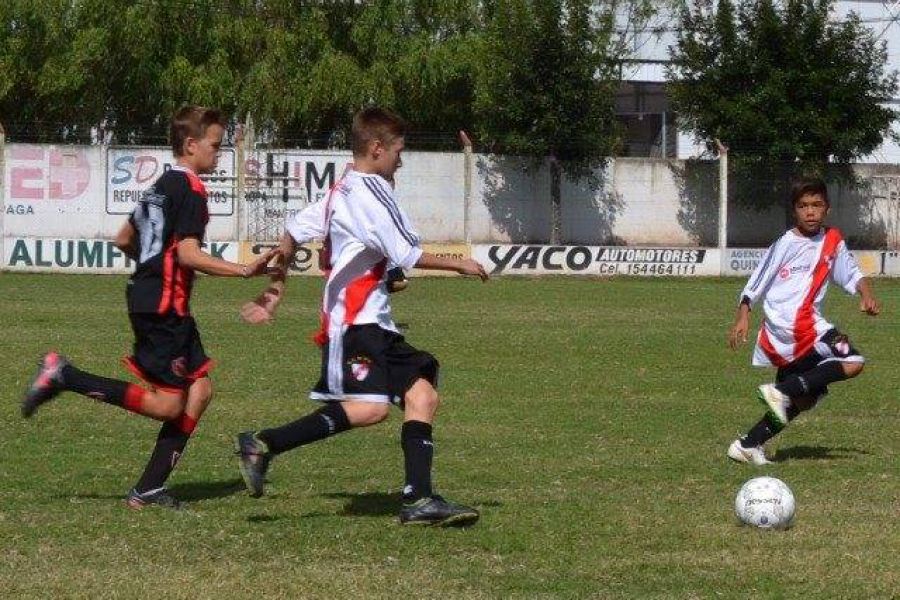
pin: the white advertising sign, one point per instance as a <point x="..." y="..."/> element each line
<point x="596" y="260"/>
<point x="131" y="170"/>
<point x="82" y="256"/>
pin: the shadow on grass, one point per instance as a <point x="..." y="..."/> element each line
<point x="207" y="490"/>
<point x="815" y="453"/>
<point x="368" y="504"/>
<point x="373" y="504"/>
<point x="189" y="492"/>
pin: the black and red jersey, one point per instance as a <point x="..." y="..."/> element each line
<point x="174" y="208"/>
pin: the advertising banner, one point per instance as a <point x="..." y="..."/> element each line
<point x="53" y="191"/>
<point x="596" y="260"/>
<point x="131" y="170"/>
<point x="82" y="256"/>
<point x="742" y="261"/>
<point x="306" y="261"/>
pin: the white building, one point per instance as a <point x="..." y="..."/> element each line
<point x="643" y="105"/>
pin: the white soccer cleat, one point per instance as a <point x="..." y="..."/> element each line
<point x="753" y="456"/>
<point x="775" y="401"/>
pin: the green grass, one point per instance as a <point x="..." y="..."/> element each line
<point x="587" y="419"/>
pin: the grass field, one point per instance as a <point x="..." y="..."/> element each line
<point x="587" y="419"/>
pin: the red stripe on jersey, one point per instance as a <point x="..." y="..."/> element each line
<point x="359" y="291"/>
<point x="196" y="183"/>
<point x="182" y="291"/>
<point x="168" y="278"/>
<point x="766" y="344"/>
<point x="805" y="322"/>
<point x="321" y="336"/>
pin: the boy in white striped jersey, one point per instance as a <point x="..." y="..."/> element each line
<point x="809" y="352"/>
<point x="366" y="364"/>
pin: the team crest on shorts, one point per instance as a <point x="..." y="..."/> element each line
<point x="360" y="366"/>
<point x="179" y="366"/>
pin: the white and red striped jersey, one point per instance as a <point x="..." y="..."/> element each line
<point x="365" y="230"/>
<point x="792" y="279"/>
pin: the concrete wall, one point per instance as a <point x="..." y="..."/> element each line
<point x="74" y="192"/>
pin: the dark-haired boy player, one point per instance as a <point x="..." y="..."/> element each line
<point x="366" y="364"/>
<point x="809" y="352"/>
<point x="163" y="235"/>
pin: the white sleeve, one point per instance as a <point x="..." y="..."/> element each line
<point x="383" y="226"/>
<point x="763" y="274"/>
<point x="846" y="272"/>
<point x="308" y="224"/>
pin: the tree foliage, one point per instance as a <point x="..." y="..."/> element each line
<point x="548" y="88"/>
<point x="531" y="77"/>
<point x="788" y="88"/>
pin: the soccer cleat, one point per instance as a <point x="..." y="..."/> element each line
<point x="753" y="455"/>
<point x="436" y="511"/>
<point x="775" y="401"/>
<point x="160" y="497"/>
<point x="46" y="385"/>
<point x="253" y="457"/>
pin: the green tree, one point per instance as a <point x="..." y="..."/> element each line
<point x="545" y="83"/>
<point x="788" y="89"/>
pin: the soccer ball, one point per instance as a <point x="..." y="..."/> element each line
<point x="765" y="502"/>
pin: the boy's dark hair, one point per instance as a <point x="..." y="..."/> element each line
<point x="191" y="121"/>
<point x="375" y="123"/>
<point x="812" y="186"/>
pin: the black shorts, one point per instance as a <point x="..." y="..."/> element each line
<point x="168" y="353"/>
<point x="372" y="364"/>
<point x="834" y="345"/>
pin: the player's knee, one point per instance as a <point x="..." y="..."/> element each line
<point x="422" y="397"/>
<point x="201" y="391"/>
<point x="364" y="414"/>
<point x="170" y="409"/>
<point x="852" y="369"/>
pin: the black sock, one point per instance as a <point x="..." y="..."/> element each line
<point x="793" y="386"/>
<point x="170" y="444"/>
<point x="418" y="452"/>
<point x="328" y="420"/>
<point x="828" y="372"/>
<point x="761" y="433"/>
<point x="814" y="381"/>
<point x="111" y="391"/>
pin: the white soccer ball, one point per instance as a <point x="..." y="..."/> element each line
<point x="765" y="502"/>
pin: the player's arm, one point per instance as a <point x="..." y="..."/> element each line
<point x="847" y="274"/>
<point x="445" y="263"/>
<point x="867" y="301"/>
<point x="126" y="240"/>
<point x="192" y="256"/>
<point x="737" y="335"/>
<point x="262" y="308"/>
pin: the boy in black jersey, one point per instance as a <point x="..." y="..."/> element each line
<point x="163" y="235"/>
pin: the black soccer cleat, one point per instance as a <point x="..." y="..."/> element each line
<point x="253" y="459"/>
<point x="160" y="497"/>
<point x="47" y="383"/>
<point x="438" y="512"/>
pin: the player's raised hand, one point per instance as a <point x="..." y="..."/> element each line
<point x="473" y="267"/>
